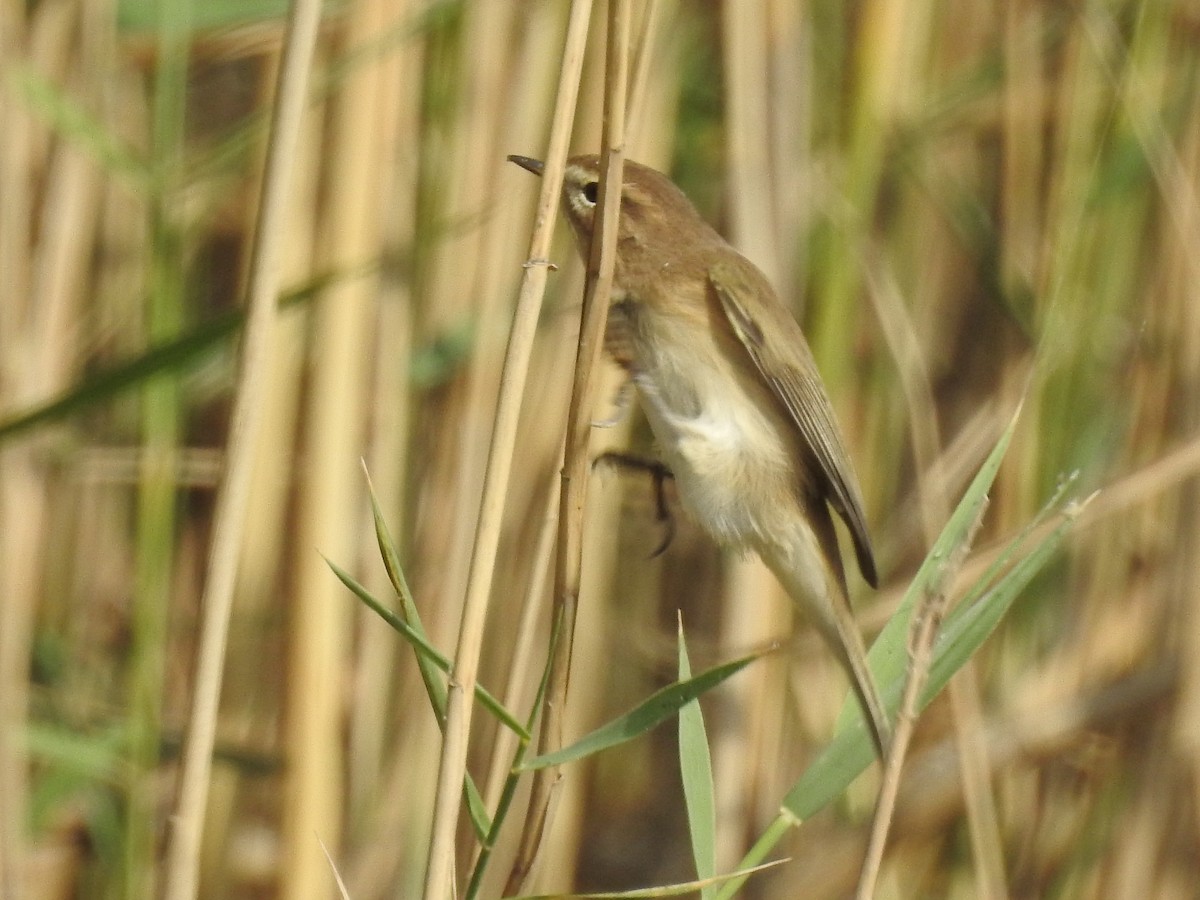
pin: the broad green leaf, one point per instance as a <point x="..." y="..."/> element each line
<point x="963" y="633"/>
<point x="695" y="766"/>
<point x="658" y="707"/>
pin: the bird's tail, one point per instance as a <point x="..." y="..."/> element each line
<point x="822" y="595"/>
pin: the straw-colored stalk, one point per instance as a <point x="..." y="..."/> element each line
<point x="330" y="491"/>
<point x="452" y="765"/>
<point x="577" y="457"/>
<point x="182" y="866"/>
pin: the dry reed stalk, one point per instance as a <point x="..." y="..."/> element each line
<point x="330" y="496"/>
<point x="655" y="87"/>
<point x="926" y="620"/>
<point x="251" y="713"/>
<point x="789" y="138"/>
<point x="461" y="292"/>
<point x="390" y="765"/>
<point x="644" y="53"/>
<point x="751" y="188"/>
<point x="64" y="251"/>
<point x="577" y="458"/>
<point x="182" y="869"/>
<point x="21" y="490"/>
<point x="614" y="580"/>
<point x="1181" y="289"/>
<point x="390" y="421"/>
<point x="29" y="370"/>
<point x="452" y="765"/>
<point x="521" y="662"/>
<point x="1022" y="735"/>
<point x="934" y="504"/>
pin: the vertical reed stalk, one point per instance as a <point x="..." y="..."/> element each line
<point x="182" y="865"/>
<point x="161" y="433"/>
<point x="577" y="459"/>
<point x="452" y="765"/>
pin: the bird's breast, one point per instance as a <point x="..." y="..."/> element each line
<point x="730" y="450"/>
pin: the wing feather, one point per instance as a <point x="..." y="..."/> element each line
<point x="763" y="329"/>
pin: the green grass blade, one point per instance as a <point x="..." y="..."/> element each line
<point x="666" y="890"/>
<point x="430" y="675"/>
<point x="695" y="766"/>
<point x="480" y="821"/>
<point x="422" y="646"/>
<point x="888" y="656"/>
<point x="655" y="709"/>
<point x="175" y="355"/>
<point x="435" y="688"/>
<point x="71" y="120"/>
<point x="964" y="631"/>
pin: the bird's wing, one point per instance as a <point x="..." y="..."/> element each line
<point x="763" y="326"/>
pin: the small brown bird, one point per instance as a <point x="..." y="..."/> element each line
<point x="734" y="399"/>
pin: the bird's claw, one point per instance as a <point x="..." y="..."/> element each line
<point x="660" y="473"/>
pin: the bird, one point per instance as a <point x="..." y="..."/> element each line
<point x="734" y="400"/>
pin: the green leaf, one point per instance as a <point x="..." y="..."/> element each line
<point x="849" y="753"/>
<point x="695" y="765"/>
<point x="422" y="646"/>
<point x="430" y="674"/>
<point x="964" y="631"/>
<point x="658" y="707"/>
<point x="666" y="890"/>
<point x="176" y="355"/>
<point x="888" y="656"/>
<point x="434" y="685"/>
<point x="71" y="120"/>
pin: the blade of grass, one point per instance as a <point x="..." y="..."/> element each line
<point x="72" y="120"/>
<point x="889" y="653"/>
<point x="965" y="630"/>
<point x="175" y="355"/>
<point x="652" y="711"/>
<point x="423" y="647"/>
<point x="434" y="686"/>
<point x="668" y="890"/>
<point x="695" y="767"/>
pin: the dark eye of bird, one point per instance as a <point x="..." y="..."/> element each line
<point x="590" y="190"/>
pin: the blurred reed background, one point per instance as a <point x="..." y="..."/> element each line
<point x="964" y="201"/>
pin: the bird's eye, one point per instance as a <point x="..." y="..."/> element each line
<point x="590" y="190"/>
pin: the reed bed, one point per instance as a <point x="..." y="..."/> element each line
<point x="972" y="206"/>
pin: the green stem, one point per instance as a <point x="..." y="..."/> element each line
<point x="161" y="432"/>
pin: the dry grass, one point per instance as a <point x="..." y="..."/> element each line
<point x="968" y="202"/>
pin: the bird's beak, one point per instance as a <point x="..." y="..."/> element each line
<point x="528" y="163"/>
